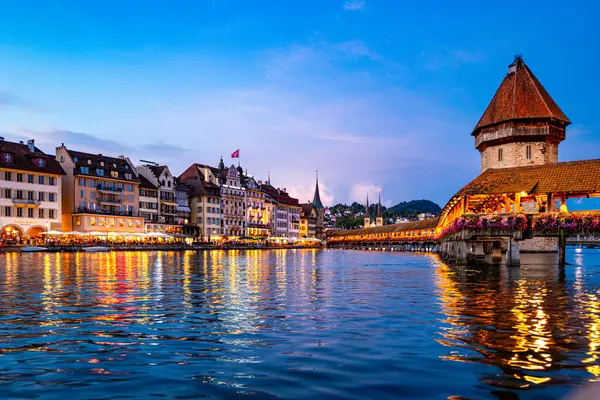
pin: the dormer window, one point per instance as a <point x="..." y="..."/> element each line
<point x="114" y="174"/>
<point x="114" y="165"/>
<point x="7" y="158"/>
<point x="100" y="172"/>
<point x="102" y="163"/>
<point x="89" y="162"/>
<point x="40" y="162"/>
<point x="75" y="159"/>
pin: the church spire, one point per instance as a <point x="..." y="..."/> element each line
<point x="379" y="218"/>
<point x="367" y="219"/>
<point x="317" y="197"/>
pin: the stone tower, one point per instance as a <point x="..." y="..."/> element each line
<point x="379" y="218"/>
<point x="522" y="125"/>
<point x="367" y="220"/>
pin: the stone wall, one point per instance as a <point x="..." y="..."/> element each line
<point x="540" y="245"/>
<point x="514" y="155"/>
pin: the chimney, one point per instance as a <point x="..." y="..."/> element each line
<point x="1" y="138"/>
<point x="31" y="145"/>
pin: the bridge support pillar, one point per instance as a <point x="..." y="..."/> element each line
<point x="513" y="253"/>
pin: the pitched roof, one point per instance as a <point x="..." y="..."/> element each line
<point x="146" y="184"/>
<point x="95" y="162"/>
<point x="157" y="170"/>
<point x="402" y="227"/>
<point x="520" y="96"/>
<point x="307" y="208"/>
<point x="194" y="178"/>
<point x="23" y="158"/>
<point x="571" y="176"/>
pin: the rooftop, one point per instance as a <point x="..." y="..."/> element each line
<point x="520" y="96"/>
<point x="23" y="158"/>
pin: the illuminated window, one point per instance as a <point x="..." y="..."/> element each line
<point x="114" y="174"/>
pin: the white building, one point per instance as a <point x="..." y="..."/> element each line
<point x="30" y="192"/>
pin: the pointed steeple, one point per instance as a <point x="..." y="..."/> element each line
<point x="221" y="164"/>
<point x="520" y="96"/>
<point x="379" y="214"/>
<point x="367" y="209"/>
<point x="317" y="197"/>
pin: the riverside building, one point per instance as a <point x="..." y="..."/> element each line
<point x="99" y="193"/>
<point x="160" y="176"/>
<point x="30" y="192"/>
<point x="204" y="200"/>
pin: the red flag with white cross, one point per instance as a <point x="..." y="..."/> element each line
<point x="236" y="154"/>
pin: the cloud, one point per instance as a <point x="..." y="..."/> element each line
<point x="49" y="139"/>
<point x="354" y="5"/>
<point x="8" y="99"/>
<point x="452" y="59"/>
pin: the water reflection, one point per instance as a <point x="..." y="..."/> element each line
<point x="294" y="324"/>
<point x="534" y="323"/>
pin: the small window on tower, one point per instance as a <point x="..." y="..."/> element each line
<point x="499" y="154"/>
<point x="528" y="152"/>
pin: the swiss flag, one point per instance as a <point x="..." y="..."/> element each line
<point x="236" y="154"/>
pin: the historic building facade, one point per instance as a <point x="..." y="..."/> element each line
<point x="204" y="200"/>
<point x="522" y="125"/>
<point x="161" y="177"/>
<point x="30" y="192"/>
<point x="233" y="202"/>
<point x="100" y="193"/>
<point x="257" y="216"/>
<point x="148" y="203"/>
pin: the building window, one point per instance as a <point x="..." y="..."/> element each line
<point x="51" y="214"/>
<point x="84" y="170"/>
<point x="528" y="152"/>
<point x="81" y="181"/>
<point x="82" y="194"/>
<point x="41" y="196"/>
<point x="41" y="179"/>
<point x="51" y="197"/>
<point x="62" y="159"/>
<point x="93" y="195"/>
<point x="30" y="195"/>
<point x="7" y="211"/>
<point x="7" y="157"/>
<point x="499" y="154"/>
<point x="7" y="193"/>
<point x="100" y="172"/>
<point x="41" y="213"/>
<point x="52" y="181"/>
<point x="41" y="162"/>
<point x="7" y="176"/>
<point x="30" y="178"/>
<point x="19" y="194"/>
<point x="75" y="159"/>
<point x="30" y="213"/>
<point x="19" y="212"/>
<point x="114" y="174"/>
<point x="19" y="177"/>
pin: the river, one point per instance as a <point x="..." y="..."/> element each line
<point x="295" y="324"/>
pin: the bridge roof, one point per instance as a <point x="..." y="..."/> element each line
<point x="564" y="177"/>
<point x="405" y="226"/>
<point x="520" y="96"/>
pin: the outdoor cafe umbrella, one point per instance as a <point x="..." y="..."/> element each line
<point x="52" y="233"/>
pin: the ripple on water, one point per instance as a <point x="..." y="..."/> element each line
<point x="294" y="324"/>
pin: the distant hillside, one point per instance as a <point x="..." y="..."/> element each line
<point x="414" y="207"/>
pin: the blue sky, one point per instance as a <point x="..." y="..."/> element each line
<point x="376" y="95"/>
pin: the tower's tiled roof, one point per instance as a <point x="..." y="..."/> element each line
<point x="520" y="96"/>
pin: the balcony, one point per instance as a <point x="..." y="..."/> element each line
<point x="25" y="203"/>
<point x="101" y="211"/>
<point x="108" y="188"/>
<point x="110" y="201"/>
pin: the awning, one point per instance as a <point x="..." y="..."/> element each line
<point x="183" y="209"/>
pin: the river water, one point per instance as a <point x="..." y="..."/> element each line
<point x="295" y="324"/>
